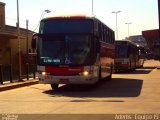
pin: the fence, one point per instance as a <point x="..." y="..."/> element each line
<point x="10" y="73"/>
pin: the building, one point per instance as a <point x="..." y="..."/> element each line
<point x="9" y="43"/>
<point x="153" y="40"/>
<point x="138" y="39"/>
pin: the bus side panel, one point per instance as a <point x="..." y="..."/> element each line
<point x="106" y="59"/>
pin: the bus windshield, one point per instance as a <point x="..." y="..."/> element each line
<point x="82" y="26"/>
<point x="66" y="49"/>
<point x="121" y="51"/>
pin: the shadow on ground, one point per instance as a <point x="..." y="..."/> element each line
<point x="117" y="87"/>
<point x="143" y="70"/>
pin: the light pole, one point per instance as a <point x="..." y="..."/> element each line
<point x="27" y="50"/>
<point x="159" y="12"/>
<point x="19" y="46"/>
<point x="43" y="13"/>
<point x="41" y="17"/>
<point x="27" y="24"/>
<point x="128" y="27"/>
<point x="159" y="24"/>
<point x="92" y="9"/>
<point x="116" y="23"/>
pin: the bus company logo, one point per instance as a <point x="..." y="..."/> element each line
<point x="75" y="70"/>
<point x="9" y="117"/>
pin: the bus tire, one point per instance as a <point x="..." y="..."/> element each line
<point x="130" y="66"/>
<point x="111" y="71"/>
<point x="54" y="86"/>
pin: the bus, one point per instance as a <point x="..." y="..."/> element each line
<point x="129" y="56"/>
<point x="73" y="50"/>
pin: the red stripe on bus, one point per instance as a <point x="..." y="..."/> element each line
<point x="64" y="71"/>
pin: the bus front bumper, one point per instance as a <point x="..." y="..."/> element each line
<point x="49" y="79"/>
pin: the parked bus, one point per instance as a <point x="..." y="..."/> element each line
<point x="129" y="56"/>
<point x="74" y="50"/>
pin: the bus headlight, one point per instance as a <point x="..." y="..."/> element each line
<point x="85" y="73"/>
<point x="43" y="73"/>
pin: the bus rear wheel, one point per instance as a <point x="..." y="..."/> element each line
<point x="54" y="86"/>
<point x="111" y="71"/>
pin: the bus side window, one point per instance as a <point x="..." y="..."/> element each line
<point x="99" y="29"/>
<point x="129" y="51"/>
<point x="113" y="38"/>
<point x="97" y="45"/>
<point x="109" y="36"/>
<point x="101" y="33"/>
<point x="104" y="34"/>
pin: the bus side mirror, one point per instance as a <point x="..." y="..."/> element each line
<point x="34" y="41"/>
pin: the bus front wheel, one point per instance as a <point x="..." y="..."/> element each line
<point x="54" y="86"/>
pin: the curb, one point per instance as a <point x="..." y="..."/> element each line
<point x="17" y="85"/>
<point x="158" y="67"/>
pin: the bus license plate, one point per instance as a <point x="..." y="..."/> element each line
<point x="64" y="81"/>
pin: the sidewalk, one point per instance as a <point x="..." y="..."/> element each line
<point x="9" y="86"/>
<point x="152" y="63"/>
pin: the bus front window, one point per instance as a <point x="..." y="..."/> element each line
<point x="65" y="49"/>
<point x="121" y="51"/>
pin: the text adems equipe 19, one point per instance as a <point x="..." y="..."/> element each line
<point x="137" y="117"/>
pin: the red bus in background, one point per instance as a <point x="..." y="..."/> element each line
<point x="74" y="50"/>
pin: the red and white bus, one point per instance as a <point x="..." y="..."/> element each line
<point x="74" y="50"/>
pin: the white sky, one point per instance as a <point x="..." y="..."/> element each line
<point x="142" y="13"/>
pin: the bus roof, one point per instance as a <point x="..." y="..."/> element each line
<point x="127" y="41"/>
<point x="69" y="17"/>
<point x="136" y="44"/>
<point x="81" y="17"/>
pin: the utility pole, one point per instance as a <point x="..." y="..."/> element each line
<point x="159" y="12"/>
<point x="27" y="51"/>
<point x="159" y="25"/>
<point x="27" y="22"/>
<point x="92" y="9"/>
<point x="128" y="28"/>
<point x="19" y="46"/>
